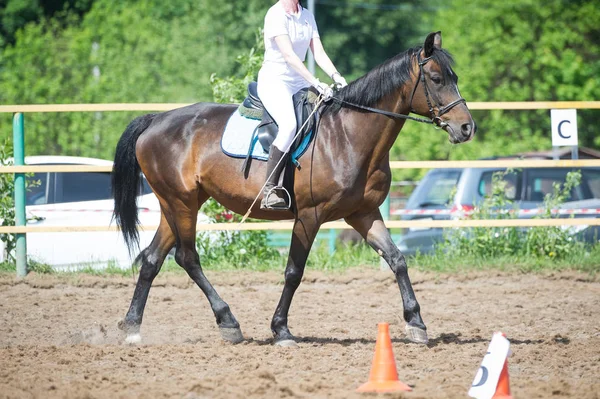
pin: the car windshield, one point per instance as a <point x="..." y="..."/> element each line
<point x="436" y="189"/>
<point x="64" y="187"/>
<point x="77" y="187"/>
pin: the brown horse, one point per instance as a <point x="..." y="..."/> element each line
<point x="345" y="174"/>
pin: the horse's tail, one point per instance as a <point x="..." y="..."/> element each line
<point x="126" y="180"/>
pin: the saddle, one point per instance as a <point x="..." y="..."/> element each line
<point x="304" y="103"/>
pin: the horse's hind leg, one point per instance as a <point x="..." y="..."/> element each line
<point x="187" y="257"/>
<point x="151" y="260"/>
<point x="372" y="228"/>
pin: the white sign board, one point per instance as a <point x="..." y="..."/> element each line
<point x="486" y="380"/>
<point x="564" y="127"/>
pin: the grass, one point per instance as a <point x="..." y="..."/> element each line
<point x="348" y="256"/>
<point x="587" y="261"/>
<point x="344" y="257"/>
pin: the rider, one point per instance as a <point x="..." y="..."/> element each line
<point x="289" y="31"/>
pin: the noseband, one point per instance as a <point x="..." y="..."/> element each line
<point x="436" y="119"/>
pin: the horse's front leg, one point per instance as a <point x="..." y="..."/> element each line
<point x="371" y="227"/>
<point x="303" y="235"/>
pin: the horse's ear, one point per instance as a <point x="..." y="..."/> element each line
<point x="433" y="40"/>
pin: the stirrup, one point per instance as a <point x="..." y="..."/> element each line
<point x="273" y="190"/>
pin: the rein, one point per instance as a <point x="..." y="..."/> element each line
<point x="383" y="112"/>
<point x="435" y="119"/>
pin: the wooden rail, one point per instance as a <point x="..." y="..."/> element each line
<point x="475" y="105"/>
<point x="54" y="168"/>
<point x="529" y="105"/>
<point x="503" y="163"/>
<point x="498" y="163"/>
<point x="391" y="224"/>
<point x="90" y="107"/>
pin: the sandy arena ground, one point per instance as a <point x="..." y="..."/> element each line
<point x="58" y="336"/>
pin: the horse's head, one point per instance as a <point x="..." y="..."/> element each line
<point x="436" y="94"/>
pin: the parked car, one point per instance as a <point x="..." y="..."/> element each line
<point x="450" y="193"/>
<point x="80" y="199"/>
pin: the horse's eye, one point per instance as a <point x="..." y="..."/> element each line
<point x="436" y="79"/>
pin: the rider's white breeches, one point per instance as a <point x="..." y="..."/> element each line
<point x="276" y="86"/>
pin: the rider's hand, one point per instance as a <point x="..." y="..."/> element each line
<point x="324" y="89"/>
<point x="339" y="80"/>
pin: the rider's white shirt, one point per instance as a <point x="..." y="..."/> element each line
<point x="277" y="81"/>
<point x="300" y="27"/>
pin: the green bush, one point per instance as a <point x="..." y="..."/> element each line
<point x="233" y="89"/>
<point x="7" y="203"/>
<point x="554" y="241"/>
<point x="234" y="247"/>
<point x="542" y="242"/>
<point x="484" y="241"/>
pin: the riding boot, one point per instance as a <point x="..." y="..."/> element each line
<point x="272" y="198"/>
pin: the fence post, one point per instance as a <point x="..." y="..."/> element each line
<point x="385" y="214"/>
<point x="20" y="218"/>
<point x="332" y="237"/>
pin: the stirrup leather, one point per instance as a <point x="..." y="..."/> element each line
<point x="274" y="190"/>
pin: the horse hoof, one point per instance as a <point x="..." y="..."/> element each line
<point x="287" y="343"/>
<point x="233" y="335"/>
<point x="133" y="339"/>
<point x="128" y="328"/>
<point x="416" y="335"/>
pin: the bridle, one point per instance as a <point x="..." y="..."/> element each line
<point x="435" y="119"/>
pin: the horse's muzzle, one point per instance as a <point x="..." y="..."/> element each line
<point x="462" y="135"/>
<point x="468" y="130"/>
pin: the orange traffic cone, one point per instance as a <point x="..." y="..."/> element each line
<point x="384" y="376"/>
<point x="503" y="387"/>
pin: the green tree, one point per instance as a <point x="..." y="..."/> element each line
<point x="526" y="51"/>
<point x="359" y="35"/>
<point x="514" y="51"/>
<point x="233" y="89"/>
<point x="15" y="14"/>
<point x="139" y="51"/>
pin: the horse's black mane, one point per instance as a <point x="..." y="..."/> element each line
<point x="382" y="80"/>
